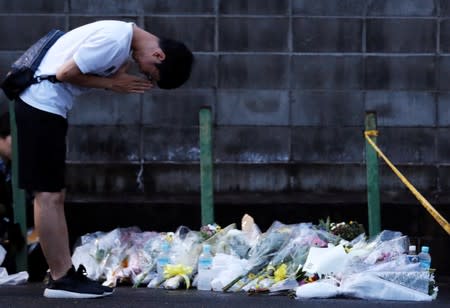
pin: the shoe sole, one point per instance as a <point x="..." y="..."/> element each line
<point x="105" y="292"/>
<point x="52" y="293"/>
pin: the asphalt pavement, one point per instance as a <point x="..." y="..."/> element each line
<point x="30" y="295"/>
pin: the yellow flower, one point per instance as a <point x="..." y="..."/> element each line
<point x="178" y="269"/>
<point x="281" y="273"/>
<point x="270" y="270"/>
<point x="251" y="276"/>
<point x="169" y="237"/>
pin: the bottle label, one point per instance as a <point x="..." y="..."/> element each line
<point x="413" y="258"/>
<point x="425" y="264"/>
<point x="205" y="263"/>
<point x="163" y="261"/>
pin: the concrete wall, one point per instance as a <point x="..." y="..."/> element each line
<point x="289" y="82"/>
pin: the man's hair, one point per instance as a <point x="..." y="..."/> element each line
<point x="5" y="129"/>
<point x="176" y="68"/>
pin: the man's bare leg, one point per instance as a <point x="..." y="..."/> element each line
<point x="50" y="223"/>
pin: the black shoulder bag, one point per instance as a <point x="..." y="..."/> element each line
<point x="23" y="69"/>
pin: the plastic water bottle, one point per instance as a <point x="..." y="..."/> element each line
<point x="412" y="255"/>
<point x="163" y="259"/>
<point x="204" y="269"/>
<point x="425" y="258"/>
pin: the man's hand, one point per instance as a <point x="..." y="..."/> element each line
<point x="121" y="81"/>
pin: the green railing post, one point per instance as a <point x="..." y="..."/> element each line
<point x="206" y="166"/>
<point x="20" y="214"/>
<point x="373" y="190"/>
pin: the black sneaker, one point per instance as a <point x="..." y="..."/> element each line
<point x="73" y="285"/>
<point x="82" y="272"/>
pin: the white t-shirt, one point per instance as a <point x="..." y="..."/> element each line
<point x="99" y="48"/>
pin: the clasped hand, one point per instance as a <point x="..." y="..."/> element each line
<point x="125" y="83"/>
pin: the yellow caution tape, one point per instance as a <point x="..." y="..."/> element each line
<point x="438" y="217"/>
<point x="371" y="133"/>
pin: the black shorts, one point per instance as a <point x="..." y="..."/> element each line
<point x="41" y="140"/>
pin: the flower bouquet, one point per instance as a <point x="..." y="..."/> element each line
<point x="209" y="230"/>
<point x="143" y="255"/>
<point x="185" y="249"/>
<point x="102" y="253"/>
<point x="347" y="231"/>
<point x="288" y="262"/>
<point x="260" y="255"/>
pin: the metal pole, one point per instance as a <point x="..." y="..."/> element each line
<point x="373" y="190"/>
<point x="206" y="166"/>
<point x="20" y="214"/>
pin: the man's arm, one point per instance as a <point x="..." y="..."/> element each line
<point x="120" y="82"/>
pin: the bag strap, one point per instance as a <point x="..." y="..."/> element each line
<point x="48" y="41"/>
<point x="50" y="38"/>
<point x="51" y="78"/>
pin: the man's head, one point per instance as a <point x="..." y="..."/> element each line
<point x="166" y="62"/>
<point x="176" y="67"/>
<point x="5" y="136"/>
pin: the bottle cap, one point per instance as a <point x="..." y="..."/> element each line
<point x="412" y="248"/>
<point x="425" y="249"/>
